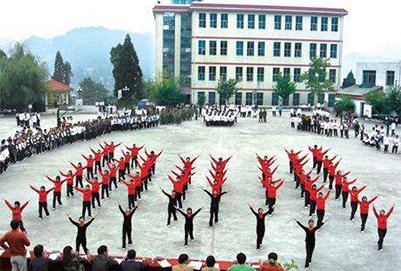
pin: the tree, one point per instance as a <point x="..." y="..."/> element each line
<point x="227" y="89"/>
<point x="92" y="91"/>
<point x="67" y="73"/>
<point x="377" y="98"/>
<point x="393" y="100"/>
<point x="349" y="80"/>
<point x="22" y="80"/>
<point x="2" y="54"/>
<point x="345" y="104"/>
<point x="126" y="70"/>
<point x="168" y="93"/>
<point x="284" y="87"/>
<point x="58" y="73"/>
<point x="316" y="79"/>
<point x="201" y="100"/>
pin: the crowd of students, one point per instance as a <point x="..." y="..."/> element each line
<point x="220" y="115"/>
<point x="32" y="140"/>
<point x="378" y="136"/>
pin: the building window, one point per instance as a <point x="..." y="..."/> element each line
<point x="249" y="74"/>
<point x="333" y="50"/>
<point x="332" y="99"/>
<point x="238" y="98"/>
<point x="201" y="73"/>
<point x="251" y="21"/>
<point x="274" y="98"/>
<point x="323" y="50"/>
<point x="202" y="20"/>
<point x="288" y="22"/>
<point x="312" y="50"/>
<point x="287" y="49"/>
<point x="223" y="47"/>
<point x="276" y="49"/>
<point x="212" y="73"/>
<point x="261" y="48"/>
<point x="299" y="23"/>
<point x="223" y="73"/>
<point x="277" y="22"/>
<point x="240" y="48"/>
<point x="259" y="98"/>
<point x="201" y="96"/>
<point x="213" y="20"/>
<point x="212" y="47"/>
<point x="250" y="50"/>
<point x="212" y="97"/>
<point x="332" y="75"/>
<point x="313" y="24"/>
<point x="369" y="78"/>
<point x="240" y="21"/>
<point x="224" y="20"/>
<point x="202" y="47"/>
<point x="262" y="21"/>
<point x="390" y="77"/>
<point x="248" y="98"/>
<point x="261" y="74"/>
<point x="325" y="22"/>
<point x="334" y="24"/>
<point x="311" y="98"/>
<point x="320" y="99"/>
<point x="297" y="75"/>
<point x="276" y="71"/>
<point x="295" y="99"/>
<point x="298" y="49"/>
<point x="238" y="73"/>
<point x="287" y="72"/>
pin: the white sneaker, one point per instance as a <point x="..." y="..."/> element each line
<point x="186" y="246"/>
<point x="192" y="240"/>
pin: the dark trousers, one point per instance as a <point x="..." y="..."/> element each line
<point x="312" y="207"/>
<point x="89" y="172"/>
<point x="382" y="234"/>
<point x="354" y="208"/>
<point x="95" y="198"/>
<point x="81" y="242"/>
<point x="43" y="206"/>
<point x="131" y="201"/>
<point x="134" y="161"/>
<point x="127" y="233"/>
<point x="394" y="149"/>
<point x="314" y="162"/>
<point x="70" y="190"/>
<point x="111" y="181"/>
<point x="302" y="190"/>
<point x="331" y="179"/>
<point x="291" y="167"/>
<point x="97" y="166"/>
<point x="189" y="231"/>
<point x="138" y="191"/>
<point x="310" y="247"/>
<point x="57" y="197"/>
<point x="307" y="198"/>
<point x="86" y="205"/>
<point x="345" y="198"/>
<point x="320" y="217"/>
<point x="179" y="195"/>
<point x="338" y="190"/>
<point x="121" y="174"/>
<point x="127" y="168"/>
<point x="260" y="233"/>
<point x="325" y="174"/>
<point x="78" y="180"/>
<point x="271" y="202"/>
<point x="319" y="167"/>
<point x="105" y="189"/>
<point x="364" y="218"/>
<point x="21" y="226"/>
<point x="171" y="212"/>
<point x="214" y="212"/>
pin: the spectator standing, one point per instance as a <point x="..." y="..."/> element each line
<point x="183" y="264"/>
<point x="131" y="265"/>
<point x="15" y="241"/>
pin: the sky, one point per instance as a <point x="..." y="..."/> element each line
<point x="371" y="28"/>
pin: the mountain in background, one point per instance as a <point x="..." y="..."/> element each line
<point x="88" y="51"/>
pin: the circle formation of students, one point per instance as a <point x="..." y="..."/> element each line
<point x="113" y="171"/>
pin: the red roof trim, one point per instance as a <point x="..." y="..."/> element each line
<point x="163" y="8"/>
<point x="54" y="85"/>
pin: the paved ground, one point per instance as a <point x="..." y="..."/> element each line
<point x="340" y="245"/>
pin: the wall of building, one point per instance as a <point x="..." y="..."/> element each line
<point x="381" y="69"/>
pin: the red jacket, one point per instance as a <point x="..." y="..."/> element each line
<point x="346" y="185"/>
<point x="86" y="192"/>
<point x="57" y="184"/>
<point x="16" y="242"/>
<point x="113" y="171"/>
<point x="364" y="205"/>
<point x="382" y="219"/>
<point x="16" y="210"/>
<point x="42" y="194"/>
<point x="131" y="187"/>
<point x="355" y="193"/>
<point x="178" y="185"/>
<point x="98" y="155"/>
<point x="134" y="151"/>
<point x="272" y="191"/>
<point x="105" y="178"/>
<point x="321" y="202"/>
<point x="95" y="186"/>
<point x="313" y="193"/>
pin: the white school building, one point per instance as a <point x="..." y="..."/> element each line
<point x="202" y="43"/>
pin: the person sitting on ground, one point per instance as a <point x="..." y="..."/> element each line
<point x="241" y="265"/>
<point x="210" y="264"/>
<point x="131" y="265"/>
<point x="39" y="263"/>
<point x="102" y="261"/>
<point x="183" y="263"/>
<point x="272" y="264"/>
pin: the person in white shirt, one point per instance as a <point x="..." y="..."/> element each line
<point x="386" y="142"/>
<point x="395" y="141"/>
<point x="392" y="127"/>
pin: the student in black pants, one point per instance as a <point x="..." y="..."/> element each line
<point x="214" y="206"/>
<point x="172" y="204"/>
<point x="189" y="223"/>
<point x="127" y="224"/>
<point x="260" y="225"/>
<point x="81" y="234"/>
<point x="310" y="239"/>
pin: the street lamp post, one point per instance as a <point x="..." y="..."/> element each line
<point x="79" y="91"/>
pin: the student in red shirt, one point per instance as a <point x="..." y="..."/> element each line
<point x="79" y="172"/>
<point x="86" y="201"/>
<point x="382" y="224"/>
<point x="364" y="210"/>
<point x="332" y="172"/>
<point x="127" y="159"/>
<point x="70" y="182"/>
<point x="112" y="148"/>
<point x="321" y="206"/>
<point x="178" y="187"/>
<point x="326" y="164"/>
<point x="121" y="168"/>
<point x="134" y="154"/>
<point x="319" y="158"/>
<point x="113" y="175"/>
<point x="105" y="154"/>
<point x="95" y="191"/>
<point x="354" y="192"/>
<point x="105" y="182"/>
<point x="308" y="186"/>
<point x="153" y="157"/>
<point x="98" y="157"/>
<point x="57" y="190"/>
<point x="345" y="190"/>
<point x="42" y="199"/>
<point x="314" y="152"/>
<point x="339" y="182"/>
<point x="131" y="189"/>
<point x="17" y="212"/>
<point x="271" y="195"/>
<point x="89" y="165"/>
<point x="313" y="196"/>
<point x="292" y="156"/>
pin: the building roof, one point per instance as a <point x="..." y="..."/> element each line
<point x="357" y="91"/>
<point x="253" y="8"/>
<point x="54" y="85"/>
